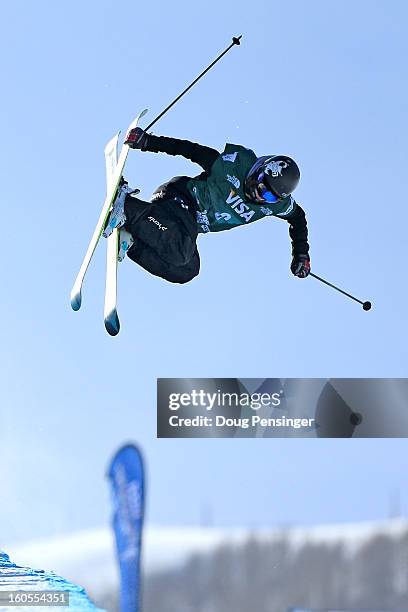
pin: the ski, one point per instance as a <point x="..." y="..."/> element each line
<point x="113" y="182"/>
<point x="110" y="313"/>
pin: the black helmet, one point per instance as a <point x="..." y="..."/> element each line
<point x="272" y="178"/>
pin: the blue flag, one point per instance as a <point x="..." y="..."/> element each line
<point x="126" y="475"/>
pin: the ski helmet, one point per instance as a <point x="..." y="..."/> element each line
<point x="272" y="178"/>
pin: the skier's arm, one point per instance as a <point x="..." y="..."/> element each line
<point x="298" y="231"/>
<point x="300" y="265"/>
<point x="199" y="154"/>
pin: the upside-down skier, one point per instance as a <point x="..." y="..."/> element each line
<point x="235" y="188"/>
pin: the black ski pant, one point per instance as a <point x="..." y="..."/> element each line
<point x="165" y="234"/>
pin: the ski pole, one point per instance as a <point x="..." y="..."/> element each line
<point x="235" y="41"/>
<point x="366" y="305"/>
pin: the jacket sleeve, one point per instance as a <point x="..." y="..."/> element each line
<point x="298" y="231"/>
<point x="199" y="154"/>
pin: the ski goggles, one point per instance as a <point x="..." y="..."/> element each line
<point x="266" y="193"/>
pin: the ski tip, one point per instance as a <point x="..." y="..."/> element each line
<point x="112" y="324"/>
<point x="76" y="300"/>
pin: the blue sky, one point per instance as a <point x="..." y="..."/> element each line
<point x="324" y="82"/>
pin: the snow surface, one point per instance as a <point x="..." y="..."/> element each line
<point x="88" y="557"/>
<point x="16" y="578"/>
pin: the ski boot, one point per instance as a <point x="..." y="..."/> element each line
<point x="117" y="217"/>
<point x="125" y="242"/>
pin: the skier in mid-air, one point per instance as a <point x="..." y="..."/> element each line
<point x="235" y="188"/>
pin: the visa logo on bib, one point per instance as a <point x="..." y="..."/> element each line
<point x="239" y="206"/>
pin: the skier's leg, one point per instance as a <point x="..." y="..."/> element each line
<point x="148" y="259"/>
<point x="166" y="226"/>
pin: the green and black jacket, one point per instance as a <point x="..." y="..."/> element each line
<point x="218" y="193"/>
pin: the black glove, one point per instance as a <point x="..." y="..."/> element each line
<point x="137" y="139"/>
<point x="300" y="266"/>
